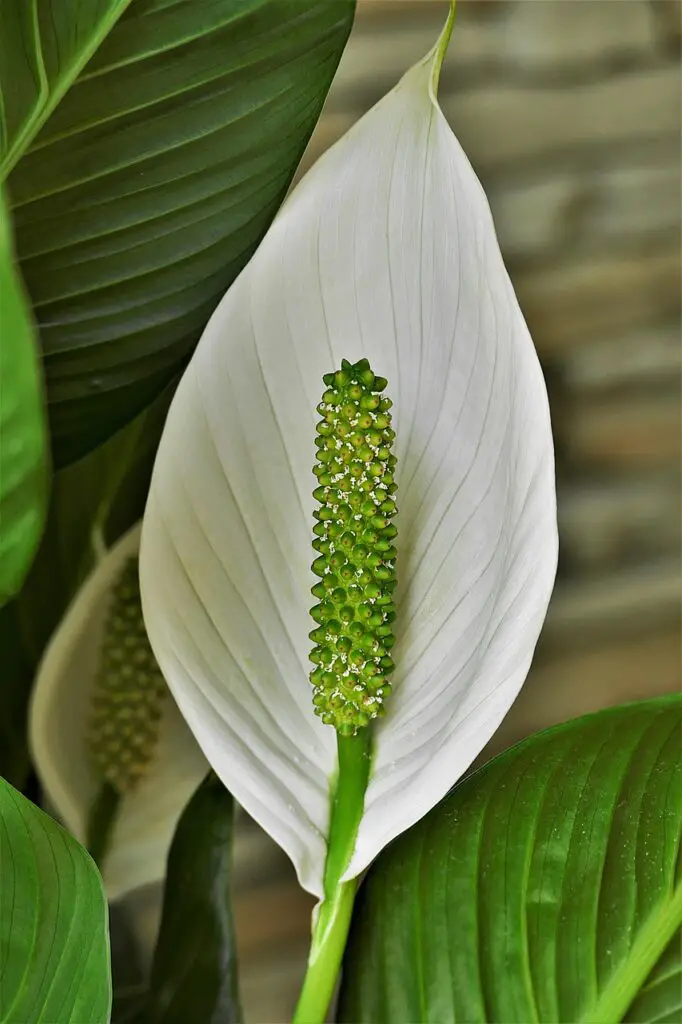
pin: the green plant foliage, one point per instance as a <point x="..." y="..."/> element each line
<point x="194" y="973"/>
<point x="54" y="951"/>
<point x="660" y="999"/>
<point x="16" y="675"/>
<point x="105" y="490"/>
<point x="545" y="887"/>
<point x="150" y="145"/>
<point x="23" y="463"/>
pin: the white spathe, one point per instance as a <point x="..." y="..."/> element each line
<point x="59" y="712"/>
<point x="385" y="250"/>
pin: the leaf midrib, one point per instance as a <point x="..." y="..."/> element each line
<point x="234" y="71"/>
<point x="627" y="980"/>
<point x="164" y="149"/>
<point x="45" y="107"/>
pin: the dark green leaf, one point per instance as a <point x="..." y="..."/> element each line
<point x="545" y="887"/>
<point x="154" y="178"/>
<point x="42" y="49"/>
<point x="23" y="463"/>
<point x="54" y="953"/>
<point x="16" y="674"/>
<point x="194" y="974"/>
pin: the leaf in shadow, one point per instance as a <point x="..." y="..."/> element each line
<point x="194" y="971"/>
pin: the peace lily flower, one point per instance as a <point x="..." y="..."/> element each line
<point x="61" y="716"/>
<point x="385" y="251"/>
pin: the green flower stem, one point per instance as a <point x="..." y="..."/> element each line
<point x="437" y="54"/>
<point x="101" y="821"/>
<point x="333" y="920"/>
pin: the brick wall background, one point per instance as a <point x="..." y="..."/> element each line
<point x="569" y="111"/>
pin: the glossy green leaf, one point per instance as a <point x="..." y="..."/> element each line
<point x="23" y="463"/>
<point x="152" y="179"/>
<point x="194" y="973"/>
<point x="545" y="887"/>
<point x="54" y="952"/>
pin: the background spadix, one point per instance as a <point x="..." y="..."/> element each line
<point x="385" y="250"/>
<point x="58" y="727"/>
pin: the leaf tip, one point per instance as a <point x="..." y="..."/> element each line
<point x="356" y="555"/>
<point x="437" y="54"/>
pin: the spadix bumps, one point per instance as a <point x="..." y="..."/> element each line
<point x="127" y="704"/>
<point x="354" y="537"/>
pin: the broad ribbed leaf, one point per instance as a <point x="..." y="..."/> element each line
<point x="54" y="952"/>
<point x="153" y="178"/>
<point x="546" y="887"/>
<point x="23" y="464"/>
<point x="194" y="974"/>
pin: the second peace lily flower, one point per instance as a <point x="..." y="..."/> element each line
<point x="386" y="251"/>
<point x="98" y="715"/>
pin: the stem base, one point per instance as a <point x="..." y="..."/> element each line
<point x="334" y="912"/>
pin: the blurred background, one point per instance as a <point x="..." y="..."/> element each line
<point x="569" y="111"/>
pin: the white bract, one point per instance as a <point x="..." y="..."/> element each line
<point x="59" y="715"/>
<point x="385" y="250"/>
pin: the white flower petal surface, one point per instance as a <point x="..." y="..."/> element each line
<point x="385" y="250"/>
<point x="58" y="722"/>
